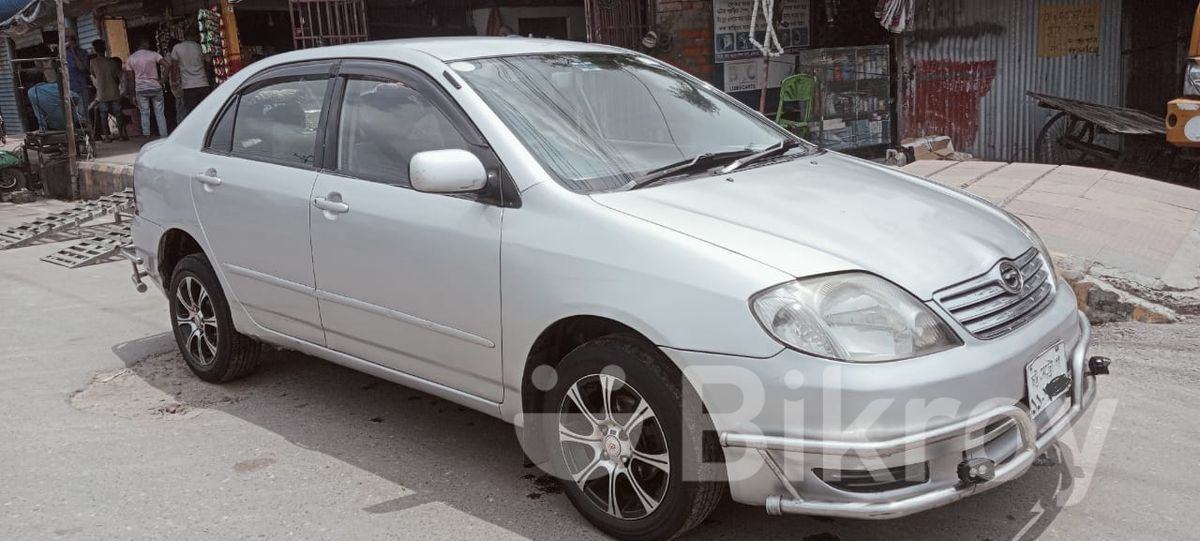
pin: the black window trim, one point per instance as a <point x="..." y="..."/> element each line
<point x="501" y="191"/>
<point x="309" y="70"/>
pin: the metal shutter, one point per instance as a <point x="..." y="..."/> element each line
<point x="8" y="92"/>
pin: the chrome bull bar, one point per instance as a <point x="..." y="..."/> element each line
<point x="1032" y="445"/>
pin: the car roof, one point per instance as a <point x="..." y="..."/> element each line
<point x="448" y="49"/>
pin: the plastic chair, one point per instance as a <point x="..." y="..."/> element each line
<point x="796" y="99"/>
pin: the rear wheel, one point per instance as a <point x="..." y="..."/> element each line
<point x="203" y="328"/>
<point x="1052" y="145"/>
<point x="624" y="445"/>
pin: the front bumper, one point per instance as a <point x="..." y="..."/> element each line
<point x="968" y="433"/>
<point x="787" y="421"/>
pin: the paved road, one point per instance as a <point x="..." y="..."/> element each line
<point x="104" y="435"/>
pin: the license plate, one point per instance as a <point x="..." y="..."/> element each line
<point x="1047" y="378"/>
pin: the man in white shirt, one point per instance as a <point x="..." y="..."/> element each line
<point x="189" y="59"/>
<point x="145" y="65"/>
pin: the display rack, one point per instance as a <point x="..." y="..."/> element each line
<point x="853" y="102"/>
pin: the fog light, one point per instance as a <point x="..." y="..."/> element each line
<point x="974" y="471"/>
<point x="1172" y="120"/>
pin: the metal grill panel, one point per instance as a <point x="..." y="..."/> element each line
<point x="94" y="250"/>
<point x="622" y="23"/>
<point x="988" y="310"/>
<point x="317" y="23"/>
<point x="28" y="232"/>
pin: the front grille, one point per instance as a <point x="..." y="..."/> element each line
<point x="989" y="310"/>
<point x="867" y="482"/>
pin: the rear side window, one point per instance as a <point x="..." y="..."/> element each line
<point x="220" y="139"/>
<point x="278" y="122"/>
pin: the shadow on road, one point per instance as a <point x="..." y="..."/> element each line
<point x="473" y="462"/>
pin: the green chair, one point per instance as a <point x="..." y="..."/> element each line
<point x="796" y="100"/>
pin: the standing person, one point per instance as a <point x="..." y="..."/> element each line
<point x="189" y="59"/>
<point x="107" y="76"/>
<point x="77" y="71"/>
<point x="174" y="84"/>
<point x="145" y="64"/>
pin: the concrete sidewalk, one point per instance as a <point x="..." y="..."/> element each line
<point x="1146" y="230"/>
<point x="112" y="168"/>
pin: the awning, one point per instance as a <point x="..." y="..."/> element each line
<point x="33" y="16"/>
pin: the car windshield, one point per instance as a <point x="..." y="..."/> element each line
<point x="598" y="121"/>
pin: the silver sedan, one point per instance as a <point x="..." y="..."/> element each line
<point x="667" y="294"/>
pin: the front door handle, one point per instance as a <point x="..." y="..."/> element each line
<point x="209" y="178"/>
<point x="329" y="205"/>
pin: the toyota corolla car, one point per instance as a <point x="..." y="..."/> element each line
<point x="670" y="296"/>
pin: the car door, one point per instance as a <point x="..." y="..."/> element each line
<point x="252" y="192"/>
<point x="405" y="279"/>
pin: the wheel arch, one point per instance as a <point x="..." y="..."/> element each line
<point x="174" y="245"/>
<point x="548" y="349"/>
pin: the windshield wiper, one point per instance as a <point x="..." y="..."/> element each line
<point x="697" y="163"/>
<point x="770" y="152"/>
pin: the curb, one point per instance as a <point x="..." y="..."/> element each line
<point x="1103" y="303"/>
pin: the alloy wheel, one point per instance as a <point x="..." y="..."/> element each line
<point x="614" y="446"/>
<point x="196" y="319"/>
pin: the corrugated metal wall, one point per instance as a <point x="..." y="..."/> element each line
<point x="968" y="63"/>
<point x="8" y="92"/>
<point x="87" y="28"/>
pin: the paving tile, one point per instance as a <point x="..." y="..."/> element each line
<point x="1121" y="259"/>
<point x="1079" y="172"/>
<point x="1048" y="198"/>
<point x="1179" y="196"/>
<point x="967" y="172"/>
<point x="1021" y="207"/>
<point x="927" y="168"/>
<point x="1074" y="189"/>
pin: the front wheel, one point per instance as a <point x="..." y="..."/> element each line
<point x="203" y="328"/>
<point x="631" y="455"/>
<point x="11" y="179"/>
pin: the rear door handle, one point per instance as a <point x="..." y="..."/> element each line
<point x="336" y="207"/>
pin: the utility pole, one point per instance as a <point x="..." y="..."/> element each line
<point x="64" y="79"/>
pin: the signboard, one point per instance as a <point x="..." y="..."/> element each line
<point x="743" y="75"/>
<point x="731" y="27"/>
<point x="1068" y="29"/>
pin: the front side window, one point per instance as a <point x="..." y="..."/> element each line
<point x="278" y="122"/>
<point x="384" y="124"/>
<point x="598" y="120"/>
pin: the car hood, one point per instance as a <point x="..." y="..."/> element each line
<point x="829" y="213"/>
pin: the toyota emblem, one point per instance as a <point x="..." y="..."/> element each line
<point x="1010" y="277"/>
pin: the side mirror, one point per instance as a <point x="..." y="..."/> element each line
<point x="447" y="171"/>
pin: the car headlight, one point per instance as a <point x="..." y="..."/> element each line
<point x="1191" y="80"/>
<point x="852" y="316"/>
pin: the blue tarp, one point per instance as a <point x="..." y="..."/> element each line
<point x="8" y="8"/>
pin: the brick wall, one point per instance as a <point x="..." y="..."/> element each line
<point x="690" y="25"/>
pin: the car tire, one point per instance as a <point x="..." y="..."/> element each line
<point x="203" y="329"/>
<point x="669" y="499"/>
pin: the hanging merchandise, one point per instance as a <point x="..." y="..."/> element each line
<point x="166" y="34"/>
<point x="212" y="41"/>
<point x="831" y="11"/>
<point x="895" y="15"/>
